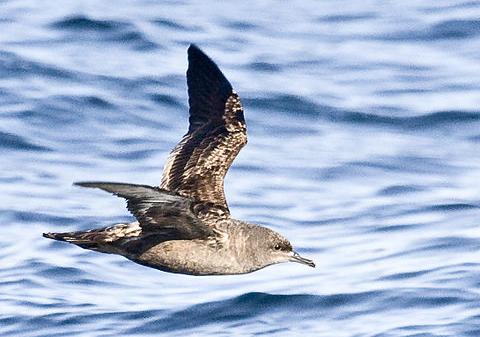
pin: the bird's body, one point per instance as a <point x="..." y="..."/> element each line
<point x="230" y="253"/>
<point x="184" y="226"/>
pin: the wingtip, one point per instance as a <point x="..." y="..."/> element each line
<point x="193" y="48"/>
<point x="50" y="236"/>
<point x="90" y="184"/>
<point x="81" y="183"/>
<point x="202" y="70"/>
<point x="195" y="54"/>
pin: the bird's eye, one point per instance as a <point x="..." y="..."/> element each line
<point x="277" y="247"/>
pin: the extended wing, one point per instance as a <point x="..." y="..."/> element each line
<point x="196" y="167"/>
<point x="161" y="212"/>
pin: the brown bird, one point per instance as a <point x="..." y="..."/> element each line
<point x="184" y="226"/>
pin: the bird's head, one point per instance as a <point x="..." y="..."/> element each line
<point x="276" y="249"/>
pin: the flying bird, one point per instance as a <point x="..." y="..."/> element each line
<point x="184" y="225"/>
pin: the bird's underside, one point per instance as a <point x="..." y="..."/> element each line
<point x="184" y="225"/>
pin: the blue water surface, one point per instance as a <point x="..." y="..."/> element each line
<point x="364" y="143"/>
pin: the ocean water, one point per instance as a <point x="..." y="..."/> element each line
<point x="364" y="143"/>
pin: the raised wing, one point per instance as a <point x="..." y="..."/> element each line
<point x="196" y="167"/>
<point x="161" y="212"/>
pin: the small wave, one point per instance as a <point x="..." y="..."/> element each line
<point x="404" y="276"/>
<point x="170" y="24"/>
<point x="466" y="4"/>
<point x="452" y="270"/>
<point x="442" y="245"/>
<point x="241" y="25"/>
<point x="253" y="306"/>
<point x="263" y="66"/>
<point x="110" y="30"/>
<point x="451" y="207"/>
<point x="455" y="29"/>
<point x="135" y="38"/>
<point x="297" y="105"/>
<point x="425" y="121"/>
<point x="15" y="142"/>
<point x="443" y="208"/>
<point x="445" y="30"/>
<point x="399" y="189"/>
<point x="394" y="228"/>
<point x="81" y="22"/>
<point x="394" y="92"/>
<point x="166" y="100"/>
<point x="92" y="101"/>
<point x="30" y="217"/>
<point x="347" y="17"/>
<point x="13" y="65"/>
<point x="65" y="273"/>
<point x="475" y="138"/>
<point x="249" y="306"/>
<point x="289" y="103"/>
<point x="129" y="155"/>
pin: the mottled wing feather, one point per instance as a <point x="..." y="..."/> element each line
<point x="198" y="164"/>
<point x="158" y="211"/>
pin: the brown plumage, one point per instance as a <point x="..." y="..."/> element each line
<point x="184" y="226"/>
<point x="197" y="165"/>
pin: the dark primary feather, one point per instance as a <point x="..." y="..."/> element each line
<point x="159" y="211"/>
<point x="208" y="89"/>
<point x="197" y="166"/>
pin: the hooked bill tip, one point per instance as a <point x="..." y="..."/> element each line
<point x="297" y="258"/>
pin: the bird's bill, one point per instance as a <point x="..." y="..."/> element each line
<point x="297" y="258"/>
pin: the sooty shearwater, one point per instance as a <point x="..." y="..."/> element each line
<point x="184" y="225"/>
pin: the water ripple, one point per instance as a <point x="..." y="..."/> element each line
<point x="363" y="127"/>
<point x="81" y="22"/>
<point x="449" y="29"/>
<point x="15" y="142"/>
<point x="86" y="28"/>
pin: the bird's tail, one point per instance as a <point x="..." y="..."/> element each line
<point x="56" y="236"/>
<point x="100" y="239"/>
<point x="87" y="240"/>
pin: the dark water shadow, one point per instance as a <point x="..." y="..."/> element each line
<point x="250" y="306"/>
